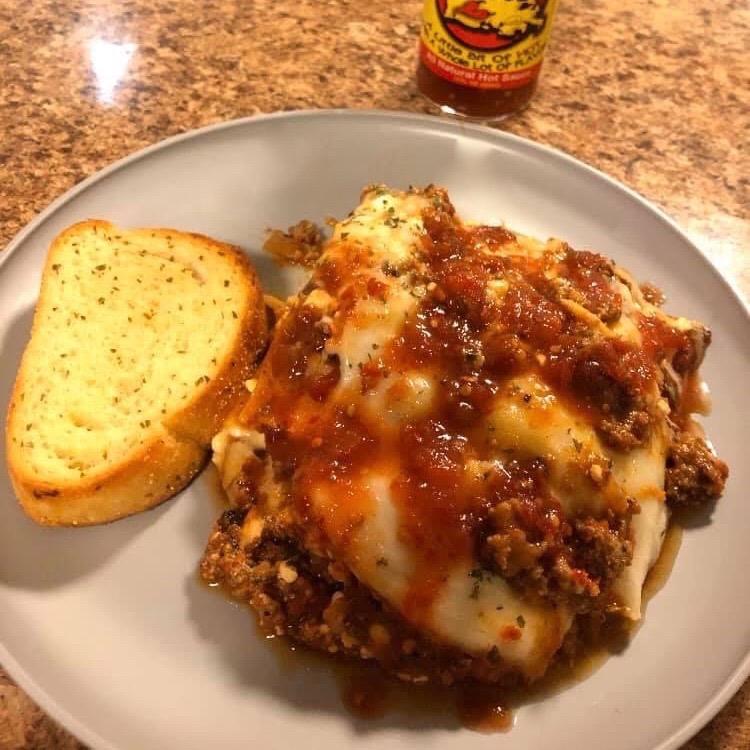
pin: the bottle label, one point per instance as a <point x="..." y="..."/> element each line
<point x="486" y="44"/>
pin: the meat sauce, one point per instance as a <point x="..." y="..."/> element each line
<point x="368" y="694"/>
<point x="437" y="516"/>
<point x="480" y="319"/>
<point x="473" y="342"/>
<point x="489" y="709"/>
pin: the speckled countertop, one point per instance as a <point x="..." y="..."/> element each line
<point x="653" y="92"/>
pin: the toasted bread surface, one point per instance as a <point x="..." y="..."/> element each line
<point x="141" y="344"/>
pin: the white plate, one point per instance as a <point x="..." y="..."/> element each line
<point x="109" y="629"/>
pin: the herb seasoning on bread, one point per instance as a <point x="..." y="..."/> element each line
<point x="141" y="344"/>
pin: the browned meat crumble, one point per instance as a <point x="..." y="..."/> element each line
<point x="300" y="245"/>
<point x="319" y="603"/>
<point x="694" y="474"/>
<point x="522" y="534"/>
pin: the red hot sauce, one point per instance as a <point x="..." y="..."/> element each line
<point x="481" y="58"/>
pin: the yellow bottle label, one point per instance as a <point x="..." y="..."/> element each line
<point x="486" y="44"/>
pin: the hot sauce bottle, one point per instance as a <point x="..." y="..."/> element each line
<point x="481" y="58"/>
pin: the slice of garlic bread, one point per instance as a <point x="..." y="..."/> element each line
<point x="141" y="343"/>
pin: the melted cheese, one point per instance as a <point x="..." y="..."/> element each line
<point x="387" y="223"/>
<point x="474" y="609"/>
<point x="477" y="611"/>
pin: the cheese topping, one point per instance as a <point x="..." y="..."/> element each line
<point x="471" y="422"/>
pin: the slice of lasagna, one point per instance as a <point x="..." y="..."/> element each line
<point x="461" y="442"/>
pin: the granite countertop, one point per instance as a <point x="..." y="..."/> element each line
<point x="653" y="92"/>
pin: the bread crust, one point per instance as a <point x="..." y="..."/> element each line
<point x="172" y="453"/>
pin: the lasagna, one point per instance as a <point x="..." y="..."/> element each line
<point x="462" y="446"/>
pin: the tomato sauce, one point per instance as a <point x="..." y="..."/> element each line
<point x="484" y="709"/>
<point x="661" y="340"/>
<point x="471" y="340"/>
<point x="437" y="515"/>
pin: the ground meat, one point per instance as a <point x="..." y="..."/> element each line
<point x="300" y="245"/>
<point x="573" y="562"/>
<point x="611" y="380"/>
<point x="694" y="474"/>
<point x="628" y="432"/>
<point x="689" y="356"/>
<point x="602" y="547"/>
<point x="318" y="603"/>
<point x="652" y="294"/>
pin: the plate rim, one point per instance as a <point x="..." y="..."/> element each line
<point x="435" y="123"/>
<point x="93" y="739"/>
